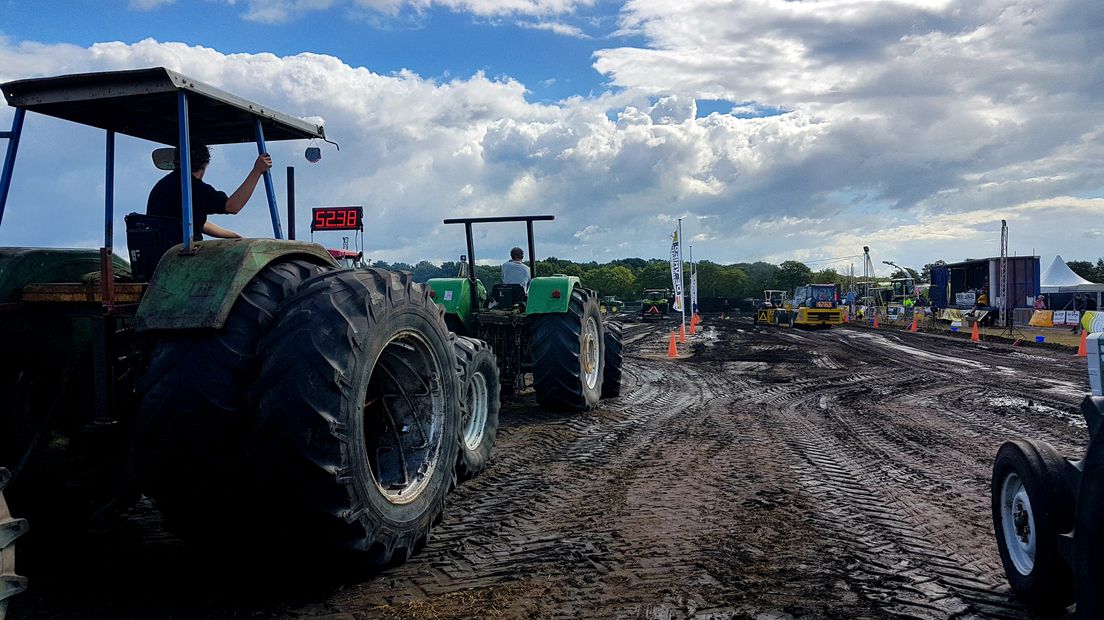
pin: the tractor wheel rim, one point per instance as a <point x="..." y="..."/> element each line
<point x="475" y="418"/>
<point x="405" y="417"/>
<point x="1018" y="524"/>
<point x="590" y="352"/>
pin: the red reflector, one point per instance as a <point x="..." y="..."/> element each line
<point x="432" y="293"/>
<point x="556" y="294"/>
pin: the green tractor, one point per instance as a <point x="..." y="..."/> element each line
<point x="656" y="304"/>
<point x="553" y="329"/>
<point x="228" y="380"/>
<point x="611" y="304"/>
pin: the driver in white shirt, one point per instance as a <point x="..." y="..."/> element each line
<point x="514" y="271"/>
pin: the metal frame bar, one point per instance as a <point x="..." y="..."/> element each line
<point x="291" y="202"/>
<point x="468" y="221"/>
<point x="269" y="189"/>
<point x="472" y="277"/>
<point x="9" y="158"/>
<point x="185" y="149"/>
<point x="107" y="268"/>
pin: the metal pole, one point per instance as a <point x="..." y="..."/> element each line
<point x="109" y="192"/>
<point x="9" y="159"/>
<point x="291" y="201"/>
<point x="185" y="149"/>
<point x="107" y="268"/>
<point x="532" y="250"/>
<point x="693" y="269"/>
<point x="472" y="277"/>
<point x="269" y="190"/>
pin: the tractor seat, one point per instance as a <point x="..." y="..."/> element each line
<point x="148" y="238"/>
<point x="508" y="295"/>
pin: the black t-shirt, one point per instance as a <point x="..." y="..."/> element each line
<point x="164" y="201"/>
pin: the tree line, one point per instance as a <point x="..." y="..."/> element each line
<point x="1087" y="270"/>
<point x="627" y="278"/>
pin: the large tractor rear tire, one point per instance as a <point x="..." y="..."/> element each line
<point x="614" y="354"/>
<point x="195" y="415"/>
<point x="358" y="413"/>
<point x="567" y="355"/>
<point x="10" y="529"/>
<point x="1032" y="506"/>
<point x="479" y="405"/>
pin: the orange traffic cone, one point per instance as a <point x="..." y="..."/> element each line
<point x="672" y="350"/>
<point x="913" y="328"/>
<point x="1082" y="349"/>
<point x="974" y="334"/>
<point x="682" y="333"/>
<point x="875" y="320"/>
<point x="692" y="324"/>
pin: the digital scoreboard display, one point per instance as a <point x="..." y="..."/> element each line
<point x="337" y="218"/>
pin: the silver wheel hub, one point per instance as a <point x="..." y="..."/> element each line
<point x="404" y="417"/>
<point x="1018" y="524"/>
<point x="475" y="416"/>
<point x="591" y="350"/>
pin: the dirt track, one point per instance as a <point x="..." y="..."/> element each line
<point x="771" y="473"/>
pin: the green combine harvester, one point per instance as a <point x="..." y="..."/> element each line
<point x="255" y="391"/>
<point x="553" y="330"/>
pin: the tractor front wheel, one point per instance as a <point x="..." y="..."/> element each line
<point x="568" y="361"/>
<point x="358" y="414"/>
<point x="479" y="405"/>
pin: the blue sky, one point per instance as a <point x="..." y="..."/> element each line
<point x="777" y="130"/>
<point x="434" y="42"/>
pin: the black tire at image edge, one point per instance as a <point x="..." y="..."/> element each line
<point x="1049" y="584"/>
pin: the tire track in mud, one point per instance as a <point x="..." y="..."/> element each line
<point x="767" y="471"/>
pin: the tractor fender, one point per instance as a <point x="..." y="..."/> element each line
<point x="453" y="295"/>
<point x="197" y="290"/>
<point x="550" y="295"/>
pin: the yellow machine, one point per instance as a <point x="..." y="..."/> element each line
<point x="770" y="310"/>
<point x="814" y="305"/>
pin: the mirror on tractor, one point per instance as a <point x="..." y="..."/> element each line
<point x="165" y="158"/>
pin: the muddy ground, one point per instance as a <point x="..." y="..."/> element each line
<point x="768" y="473"/>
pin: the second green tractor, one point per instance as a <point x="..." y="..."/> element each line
<point x="552" y="329"/>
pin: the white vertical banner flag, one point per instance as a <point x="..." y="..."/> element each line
<point x="676" y="270"/>
<point x="693" y="289"/>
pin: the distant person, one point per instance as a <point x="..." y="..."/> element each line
<point x="726" y="309"/>
<point x="1040" y="303"/>
<point x="165" y="199"/>
<point x="514" y="271"/>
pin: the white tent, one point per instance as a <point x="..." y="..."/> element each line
<point x="1059" y="278"/>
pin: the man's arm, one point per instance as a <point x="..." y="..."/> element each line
<point x="241" y="195"/>
<point x="219" y="232"/>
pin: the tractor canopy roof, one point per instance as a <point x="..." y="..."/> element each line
<point x="143" y="103"/>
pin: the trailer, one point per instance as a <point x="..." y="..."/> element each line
<point x="962" y="285"/>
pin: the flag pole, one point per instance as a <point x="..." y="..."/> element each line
<point x="693" y="269"/>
